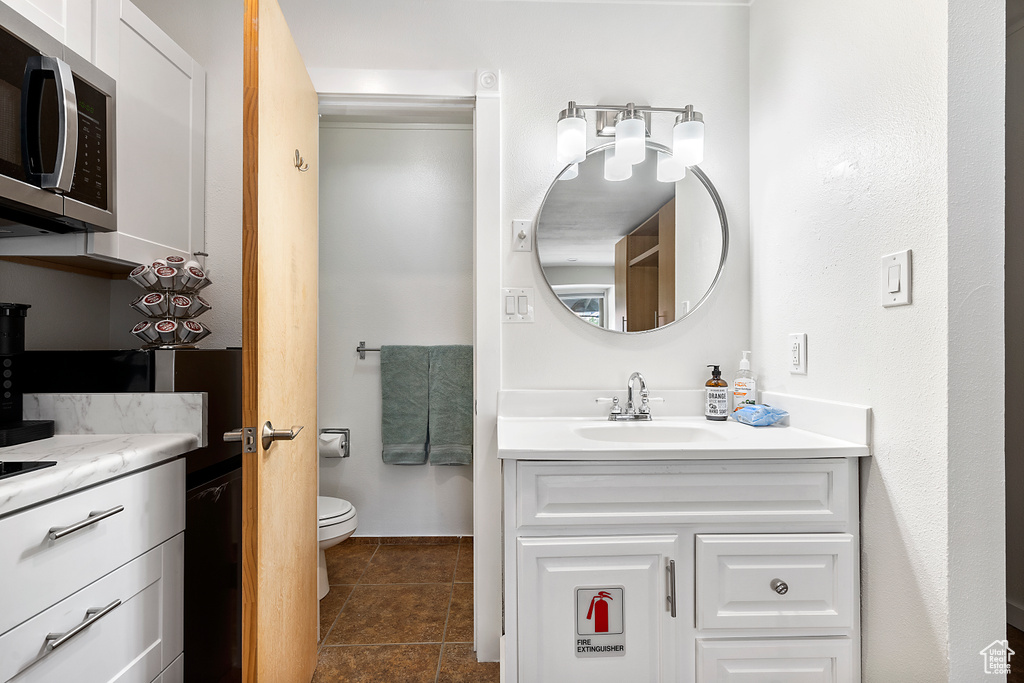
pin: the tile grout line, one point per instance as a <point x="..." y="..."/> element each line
<point x="323" y="642"/>
<point x="448" y="616"/>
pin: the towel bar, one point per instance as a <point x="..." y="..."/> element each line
<point x="361" y="349"/>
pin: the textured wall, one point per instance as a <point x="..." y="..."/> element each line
<point x="396" y="267"/>
<point x="853" y="156"/>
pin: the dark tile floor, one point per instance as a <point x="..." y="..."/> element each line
<point x="1016" y="638"/>
<point x="400" y="611"/>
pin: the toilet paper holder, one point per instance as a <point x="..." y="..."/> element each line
<point x="334" y="443"/>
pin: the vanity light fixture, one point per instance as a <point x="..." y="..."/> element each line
<point x="631" y="128"/>
<point x="570" y="172"/>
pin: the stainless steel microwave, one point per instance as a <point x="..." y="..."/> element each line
<point x="56" y="136"/>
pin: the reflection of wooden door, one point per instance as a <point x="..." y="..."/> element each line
<point x="279" y="332"/>
<point x="645" y="273"/>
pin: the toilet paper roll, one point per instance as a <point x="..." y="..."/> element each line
<point x="332" y="444"/>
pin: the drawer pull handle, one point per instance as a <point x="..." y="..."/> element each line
<point x="62" y="531"/>
<point x="671" y="587"/>
<point x="780" y="586"/>
<point x="55" y="640"/>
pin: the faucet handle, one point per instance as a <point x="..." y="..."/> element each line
<point x="614" y="400"/>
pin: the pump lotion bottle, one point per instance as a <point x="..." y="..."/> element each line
<point x="744" y="387"/>
<point x="716" y="396"/>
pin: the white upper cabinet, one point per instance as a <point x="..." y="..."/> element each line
<point x="160" y="109"/>
<point x="161" y="117"/>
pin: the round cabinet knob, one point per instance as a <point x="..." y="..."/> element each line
<point x="780" y="586"/>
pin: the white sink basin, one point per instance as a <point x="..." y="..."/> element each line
<point x="647" y="433"/>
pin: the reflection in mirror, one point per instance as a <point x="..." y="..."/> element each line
<point x="631" y="255"/>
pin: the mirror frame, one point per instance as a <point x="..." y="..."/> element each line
<point x="723" y="220"/>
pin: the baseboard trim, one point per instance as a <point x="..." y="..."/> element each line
<point x="1015" y="615"/>
<point x="407" y="540"/>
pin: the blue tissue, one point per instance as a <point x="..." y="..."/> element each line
<point x="759" y="415"/>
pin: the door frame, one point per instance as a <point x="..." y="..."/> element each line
<point x="481" y="90"/>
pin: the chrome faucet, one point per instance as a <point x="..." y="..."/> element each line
<point x="632" y="412"/>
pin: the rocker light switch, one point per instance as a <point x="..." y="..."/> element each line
<point x="518" y="305"/>
<point x="896" y="279"/>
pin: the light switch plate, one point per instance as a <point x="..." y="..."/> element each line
<point x="521" y="304"/>
<point x="522" y="235"/>
<point x="798" y="353"/>
<point x="896" y="276"/>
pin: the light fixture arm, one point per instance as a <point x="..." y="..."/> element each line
<point x="688" y="109"/>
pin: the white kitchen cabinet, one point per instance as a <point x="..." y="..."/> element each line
<point x="560" y="639"/>
<point x="114" y="587"/>
<point x="69" y="21"/>
<point x="766" y="568"/>
<point x="161" y="148"/>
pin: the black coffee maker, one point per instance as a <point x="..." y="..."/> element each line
<point x="13" y="428"/>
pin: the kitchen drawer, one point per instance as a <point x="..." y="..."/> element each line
<point x="819" y="660"/>
<point x="175" y="673"/>
<point x="39" y="572"/>
<point x="125" y="645"/>
<point x="816" y="492"/>
<point x="736" y="577"/>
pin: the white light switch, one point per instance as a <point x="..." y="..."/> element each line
<point x="896" y="279"/>
<point x="522" y="235"/>
<point x="518" y="306"/>
<point x="798" y="353"/>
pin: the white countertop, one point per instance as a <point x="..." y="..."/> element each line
<point x="561" y="439"/>
<point x="570" y="425"/>
<point x="100" y="437"/>
<point x="84" y="460"/>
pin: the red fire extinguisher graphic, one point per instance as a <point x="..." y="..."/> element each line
<point x="599" y="611"/>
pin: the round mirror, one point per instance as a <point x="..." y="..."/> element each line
<point x="632" y="255"/>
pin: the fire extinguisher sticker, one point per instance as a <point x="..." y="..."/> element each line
<point x="599" y="622"/>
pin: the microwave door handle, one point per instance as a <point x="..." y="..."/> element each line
<point x="36" y="69"/>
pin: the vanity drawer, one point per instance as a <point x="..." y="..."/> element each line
<point x="127" y="643"/>
<point x="775" y="581"/>
<point x="750" y="492"/>
<point x="39" y="572"/>
<point x="819" y="660"/>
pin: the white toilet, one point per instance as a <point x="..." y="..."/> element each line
<point x="337" y="521"/>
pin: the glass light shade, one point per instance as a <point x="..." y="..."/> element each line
<point x="670" y="170"/>
<point x="570" y="172"/>
<point x="630" y="140"/>
<point x="688" y="142"/>
<point x="572" y="140"/>
<point x="616" y="169"/>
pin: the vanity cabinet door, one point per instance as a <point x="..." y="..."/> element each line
<point x="570" y="631"/>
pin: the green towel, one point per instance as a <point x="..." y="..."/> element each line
<point x="403" y="422"/>
<point x="451" y="405"/>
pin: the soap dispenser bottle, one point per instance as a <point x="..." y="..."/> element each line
<point x="744" y="388"/>
<point x="716" y="396"/>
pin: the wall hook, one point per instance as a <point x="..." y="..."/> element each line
<point x="300" y="163"/>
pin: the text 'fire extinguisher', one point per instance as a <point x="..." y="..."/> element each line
<point x="599" y="611"/>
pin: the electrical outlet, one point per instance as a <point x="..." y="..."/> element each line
<point x="798" y="353"/>
<point x="522" y="235"/>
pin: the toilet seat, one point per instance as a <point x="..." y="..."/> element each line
<point x="333" y="510"/>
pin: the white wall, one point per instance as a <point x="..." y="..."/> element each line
<point x="549" y="53"/>
<point x="853" y="156"/>
<point x="1014" y="324"/>
<point x="396" y="267"/>
<point x="69" y="311"/>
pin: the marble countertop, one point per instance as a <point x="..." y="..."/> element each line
<point x="101" y="437"/>
<point x="84" y="460"/>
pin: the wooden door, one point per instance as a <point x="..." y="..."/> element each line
<point x="279" y="337"/>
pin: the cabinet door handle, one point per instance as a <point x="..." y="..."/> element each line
<point x="55" y="640"/>
<point x="671" y="587"/>
<point x="62" y="531"/>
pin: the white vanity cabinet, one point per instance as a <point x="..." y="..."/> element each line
<point x="766" y="569"/>
<point x="103" y="601"/>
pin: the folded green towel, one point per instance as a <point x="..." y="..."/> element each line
<point x="451" y="405"/>
<point x="403" y="422"/>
